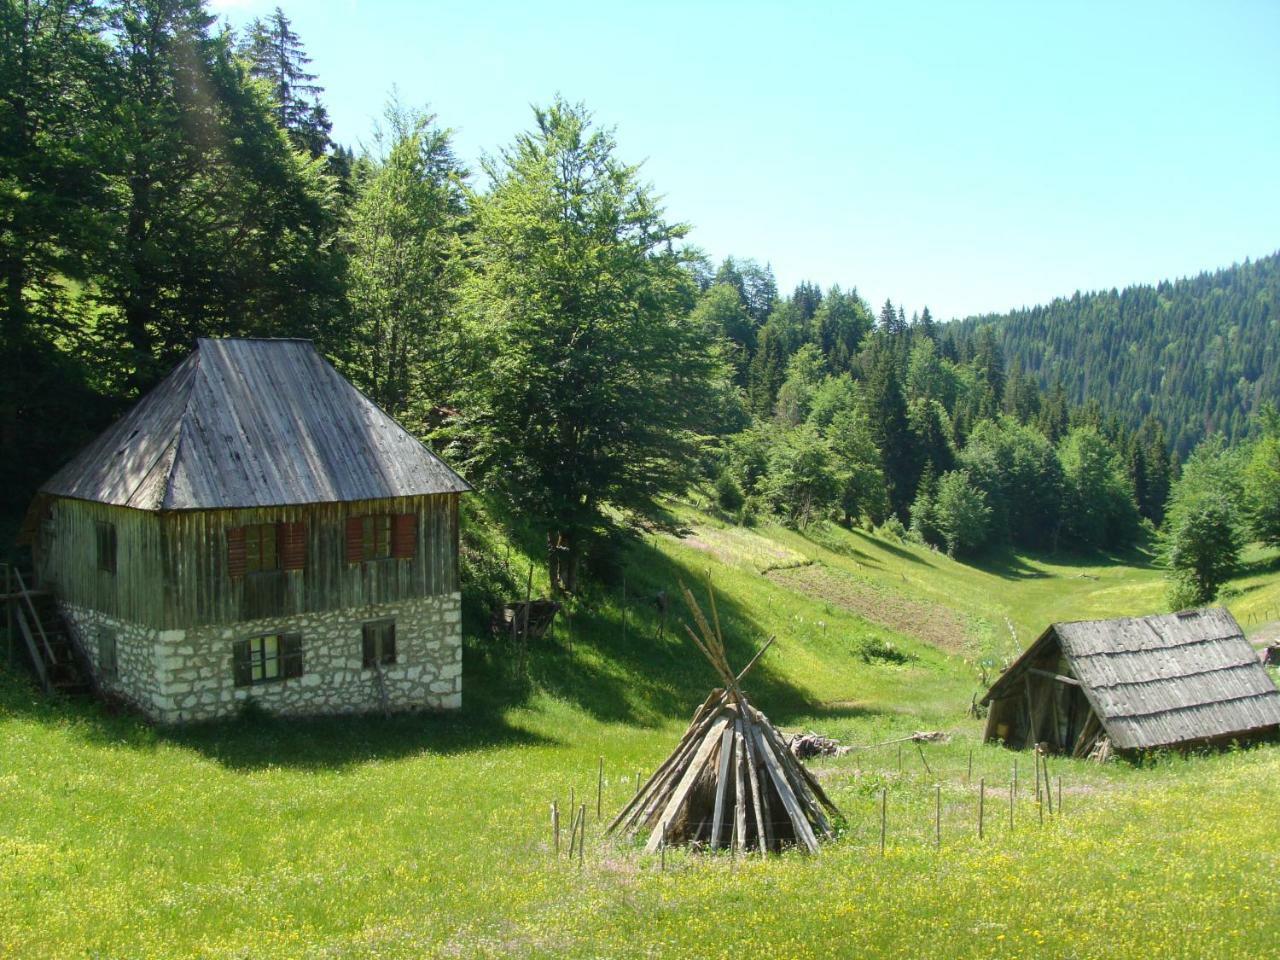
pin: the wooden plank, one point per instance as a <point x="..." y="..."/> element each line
<point x="37" y="658"/>
<point x="722" y="784"/>
<point x="691" y="773"/>
<point x="804" y="833"/>
<point x="740" y="796"/>
<point x="1071" y="681"/>
<point x="799" y="779"/>
<point x="699" y="718"/>
<point x="759" y="802"/>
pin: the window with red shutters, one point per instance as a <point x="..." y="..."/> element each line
<point x="404" y="536"/>
<point x="293" y="546"/>
<point x="377" y="536"/>
<point x="235" y="552"/>
<point x="355" y="539"/>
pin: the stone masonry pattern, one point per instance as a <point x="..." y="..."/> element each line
<point x="175" y="676"/>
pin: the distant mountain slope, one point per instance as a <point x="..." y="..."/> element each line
<point x="1200" y="353"/>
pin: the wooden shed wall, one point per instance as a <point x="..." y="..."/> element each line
<point x="66" y="552"/>
<point x="172" y="566"/>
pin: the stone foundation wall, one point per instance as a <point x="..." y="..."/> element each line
<point x="181" y="675"/>
<point x="136" y="681"/>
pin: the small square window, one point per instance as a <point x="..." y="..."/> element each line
<point x="379" y="643"/>
<point x="106" y="544"/>
<point x="267" y="658"/>
<point x="108" y="665"/>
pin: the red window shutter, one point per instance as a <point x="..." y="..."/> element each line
<point x="293" y="546"/>
<point x="404" y="536"/>
<point x="355" y="539"/>
<point x="235" y="551"/>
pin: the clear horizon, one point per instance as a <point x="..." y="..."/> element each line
<point x="974" y="159"/>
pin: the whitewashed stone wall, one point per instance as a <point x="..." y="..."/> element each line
<point x="136" y="680"/>
<point x="181" y="675"/>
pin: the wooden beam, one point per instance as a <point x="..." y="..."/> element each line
<point x="722" y="784"/>
<point x="1072" y="681"/>
<point x="691" y="774"/>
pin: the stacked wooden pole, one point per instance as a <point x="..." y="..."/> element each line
<point x="731" y="782"/>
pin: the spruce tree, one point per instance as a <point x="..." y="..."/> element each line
<point x="276" y="55"/>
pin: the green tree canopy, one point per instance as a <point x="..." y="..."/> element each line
<point x="403" y="238"/>
<point x="589" y="377"/>
<point x="960" y="513"/>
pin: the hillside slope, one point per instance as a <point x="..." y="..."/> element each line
<point x="428" y="835"/>
<point x="1200" y="353"/>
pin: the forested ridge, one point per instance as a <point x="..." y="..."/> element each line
<point x="1201" y="353"/>
<point x="543" y="322"/>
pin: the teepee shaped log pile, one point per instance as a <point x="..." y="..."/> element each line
<point x="731" y="780"/>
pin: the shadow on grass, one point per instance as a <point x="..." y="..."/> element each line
<point x="1009" y="564"/>
<point x="887" y="547"/>
<point x="254" y="742"/>
<point x="655" y="673"/>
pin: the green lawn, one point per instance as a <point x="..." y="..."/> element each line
<point x="428" y="836"/>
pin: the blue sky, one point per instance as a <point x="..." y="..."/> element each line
<point x="969" y="156"/>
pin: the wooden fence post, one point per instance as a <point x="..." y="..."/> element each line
<point x="555" y="826"/>
<point x="968" y="777"/>
<point x="937" y="815"/>
<point x="884" y="803"/>
<point x="1013" y="784"/>
<point x="600" y="789"/>
<point x="982" y="803"/>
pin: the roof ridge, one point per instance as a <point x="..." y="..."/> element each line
<point x="1167" y="646"/>
<point x="194" y="361"/>
<point x="182" y="429"/>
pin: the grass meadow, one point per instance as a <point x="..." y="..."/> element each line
<point x="429" y="835"/>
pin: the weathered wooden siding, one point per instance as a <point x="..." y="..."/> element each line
<point x="172" y="566"/>
<point x="67" y="559"/>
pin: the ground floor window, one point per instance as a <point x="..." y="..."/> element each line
<point x="108" y="666"/>
<point x="265" y="659"/>
<point x="379" y="641"/>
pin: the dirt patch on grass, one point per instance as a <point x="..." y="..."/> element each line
<point x="936" y="625"/>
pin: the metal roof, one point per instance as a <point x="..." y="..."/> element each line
<point x="1162" y="680"/>
<point x="252" y="423"/>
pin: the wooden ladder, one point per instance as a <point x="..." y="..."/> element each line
<point x="58" y="664"/>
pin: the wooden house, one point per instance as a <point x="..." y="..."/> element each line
<point x="256" y="528"/>
<point x="1140" y="683"/>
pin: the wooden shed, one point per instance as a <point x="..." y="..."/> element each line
<point x="257" y="528"/>
<point x="1175" y="680"/>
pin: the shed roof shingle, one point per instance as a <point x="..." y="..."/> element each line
<point x="252" y="423"/>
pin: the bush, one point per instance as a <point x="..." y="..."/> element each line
<point x="1181" y="594"/>
<point x="876" y="650"/>
<point x="961" y="514"/>
<point x="892" y="529"/>
<point x="728" y="494"/>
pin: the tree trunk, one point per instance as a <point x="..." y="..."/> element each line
<point x="563" y="559"/>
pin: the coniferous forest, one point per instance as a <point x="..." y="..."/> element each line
<point x="1201" y="354"/>
<point x="542" y="321"/>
